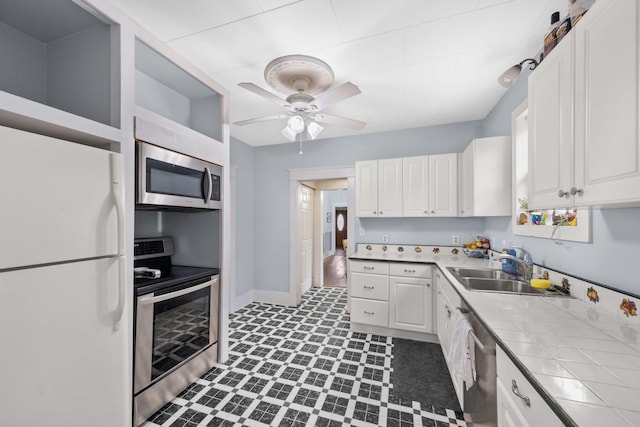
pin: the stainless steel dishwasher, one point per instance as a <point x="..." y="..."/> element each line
<point x="480" y="400"/>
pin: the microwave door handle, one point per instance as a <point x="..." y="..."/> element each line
<point x="207" y="186"/>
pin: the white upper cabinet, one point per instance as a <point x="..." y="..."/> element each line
<point x="485" y="177"/>
<point x="415" y="186"/>
<point x="607" y="140"/>
<point x="443" y="185"/>
<point x="584" y="145"/>
<point x="390" y="187"/>
<point x="379" y="188"/>
<point x="367" y="188"/>
<point x="430" y="185"/>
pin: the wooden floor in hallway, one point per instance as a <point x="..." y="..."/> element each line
<point x="335" y="269"/>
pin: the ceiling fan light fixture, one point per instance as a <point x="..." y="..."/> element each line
<point x="314" y="129"/>
<point x="295" y="124"/>
<point x="509" y="77"/>
<point x="289" y="134"/>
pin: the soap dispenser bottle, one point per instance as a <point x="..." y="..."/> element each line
<point x="508" y="265"/>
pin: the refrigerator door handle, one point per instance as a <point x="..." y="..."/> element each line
<point x="116" y="188"/>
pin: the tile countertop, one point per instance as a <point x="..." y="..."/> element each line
<point x="583" y="360"/>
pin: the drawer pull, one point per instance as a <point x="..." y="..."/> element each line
<point x="448" y="310"/>
<point x="369" y="287"/>
<point x="366" y="267"/>
<point x="409" y="271"/>
<point x="369" y="313"/>
<point x="514" y="389"/>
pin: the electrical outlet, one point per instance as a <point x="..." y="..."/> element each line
<point x="385" y="238"/>
<point x="455" y="239"/>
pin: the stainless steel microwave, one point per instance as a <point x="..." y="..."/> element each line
<point x="165" y="178"/>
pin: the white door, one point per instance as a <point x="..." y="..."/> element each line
<point x="443" y="185"/>
<point x="63" y="364"/>
<point x="57" y="194"/>
<point x="415" y="186"/>
<point x="367" y="188"/>
<point x="410" y="304"/>
<point x="551" y="129"/>
<point x="466" y="173"/>
<point x="607" y="146"/>
<point x="305" y="237"/>
<point x="390" y="187"/>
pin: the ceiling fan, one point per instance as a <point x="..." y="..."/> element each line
<point x="307" y="80"/>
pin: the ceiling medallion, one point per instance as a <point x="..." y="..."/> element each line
<point x="299" y="73"/>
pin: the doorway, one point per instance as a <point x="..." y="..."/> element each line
<point x="336" y="243"/>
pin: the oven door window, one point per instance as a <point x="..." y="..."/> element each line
<point x="180" y="329"/>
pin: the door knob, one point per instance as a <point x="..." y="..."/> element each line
<point x="575" y="191"/>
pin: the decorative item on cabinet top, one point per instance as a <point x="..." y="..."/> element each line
<point x="401" y="252"/>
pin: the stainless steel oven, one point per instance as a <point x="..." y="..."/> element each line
<point x="168" y="179"/>
<point x="176" y="325"/>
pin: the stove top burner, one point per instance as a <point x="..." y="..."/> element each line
<point x="155" y="254"/>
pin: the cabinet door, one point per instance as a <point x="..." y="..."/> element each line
<point x="415" y="186"/>
<point x="443" y="185"/>
<point x="466" y="175"/>
<point x="491" y="184"/>
<point x="508" y="414"/>
<point x="410" y="304"/>
<point x="367" y="188"/>
<point x="551" y="129"/>
<point x="607" y="146"/>
<point x="390" y="187"/>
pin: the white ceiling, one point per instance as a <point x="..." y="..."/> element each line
<point x="417" y="62"/>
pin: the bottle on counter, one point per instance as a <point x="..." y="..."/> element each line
<point x="563" y="28"/>
<point x="550" y="40"/>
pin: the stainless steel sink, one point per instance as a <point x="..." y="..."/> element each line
<point x="492" y="280"/>
<point x="500" y="285"/>
<point x="482" y="273"/>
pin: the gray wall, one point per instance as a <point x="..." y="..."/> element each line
<point x="242" y="158"/>
<point x="608" y="260"/>
<point x="611" y="256"/>
<point x="272" y="165"/>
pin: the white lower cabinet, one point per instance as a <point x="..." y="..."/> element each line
<point x="411" y="297"/>
<point x="519" y="404"/>
<point x="447" y="300"/>
<point x="396" y="296"/>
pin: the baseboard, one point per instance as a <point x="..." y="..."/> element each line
<point x="273" y="297"/>
<point x="241" y="301"/>
<point x="396" y="333"/>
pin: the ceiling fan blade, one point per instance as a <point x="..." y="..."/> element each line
<point x="342" y="92"/>
<point x="339" y="121"/>
<point x="261" y="119"/>
<point x="265" y="94"/>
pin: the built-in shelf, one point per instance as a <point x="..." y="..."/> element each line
<point x="58" y="55"/>
<point x="169" y="91"/>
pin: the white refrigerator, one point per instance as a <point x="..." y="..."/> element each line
<point x="64" y="352"/>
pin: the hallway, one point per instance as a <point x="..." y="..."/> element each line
<point x="335" y="270"/>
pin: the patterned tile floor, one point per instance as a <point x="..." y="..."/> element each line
<point x="300" y="366"/>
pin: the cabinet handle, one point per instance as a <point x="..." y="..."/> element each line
<point x="433" y="212"/>
<point x="514" y="389"/>
<point x="448" y="311"/>
<point x="366" y="267"/>
<point x="428" y="285"/>
<point x="409" y="271"/>
<point x="575" y="191"/>
<point x="374" y="212"/>
<point x="368" y="287"/>
<point x="426" y="212"/>
<point x="369" y="313"/>
<point x="562" y="193"/>
<point x="381" y="213"/>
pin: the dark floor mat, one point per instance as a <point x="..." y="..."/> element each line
<point x="420" y="374"/>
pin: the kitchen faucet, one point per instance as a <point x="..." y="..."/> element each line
<point x="524" y="262"/>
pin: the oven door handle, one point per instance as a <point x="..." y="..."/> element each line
<point x="151" y="299"/>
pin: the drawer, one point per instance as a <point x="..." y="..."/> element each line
<point x="537" y="413"/>
<point x="372" y="286"/>
<point x="371" y="267"/>
<point x="370" y="312"/>
<point x="410" y="270"/>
